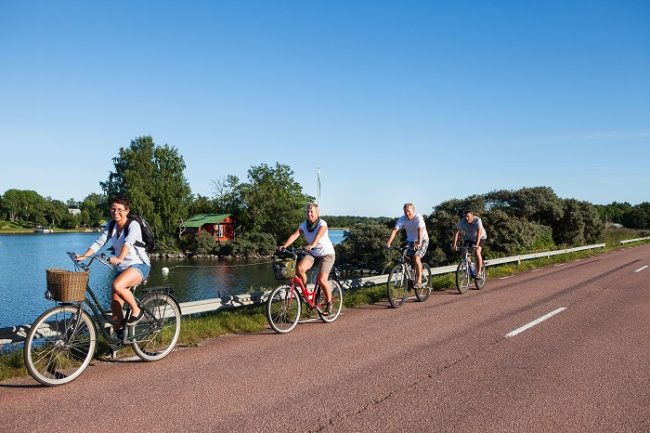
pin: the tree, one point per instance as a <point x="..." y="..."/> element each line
<point x="365" y="246"/>
<point x="272" y="201"/>
<point x="24" y="205"/>
<point x="201" y="204"/>
<point x="56" y="212"/>
<point x="538" y="204"/>
<point x="637" y="217"/>
<point x="580" y="224"/>
<point x="228" y="195"/>
<point x="152" y="178"/>
<point x="94" y="209"/>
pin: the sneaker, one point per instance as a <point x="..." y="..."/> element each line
<point x="135" y="319"/>
<point x="330" y="308"/>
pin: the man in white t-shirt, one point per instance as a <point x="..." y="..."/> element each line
<point x="319" y="246"/>
<point x="416" y="235"/>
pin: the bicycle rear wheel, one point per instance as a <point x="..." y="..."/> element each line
<point x="396" y="286"/>
<point x="157" y="333"/>
<point x="462" y="277"/>
<point x="337" y="302"/>
<point x="423" y="292"/>
<point x="283" y="309"/>
<point x="60" y="345"/>
<point x="479" y="281"/>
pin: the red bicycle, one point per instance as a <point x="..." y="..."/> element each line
<point x="284" y="306"/>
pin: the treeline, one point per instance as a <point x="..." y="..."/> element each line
<point x="349" y="221"/>
<point x="524" y="220"/>
<point x="269" y="204"/>
<point x="28" y="208"/>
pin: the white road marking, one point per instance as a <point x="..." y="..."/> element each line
<point x="535" y="322"/>
<point x="505" y="278"/>
<point x="559" y="264"/>
<point x="642" y="268"/>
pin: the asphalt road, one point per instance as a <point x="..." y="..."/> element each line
<point x="446" y="365"/>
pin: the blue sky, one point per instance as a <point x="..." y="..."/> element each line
<point x="393" y="101"/>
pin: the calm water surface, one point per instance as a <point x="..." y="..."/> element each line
<point x="24" y="259"/>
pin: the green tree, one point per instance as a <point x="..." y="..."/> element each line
<point x="637" y="217"/>
<point x="201" y="204"/>
<point x="56" y="212"/>
<point x="579" y="225"/>
<point x="229" y="196"/>
<point x="94" y="210"/>
<point x="365" y="246"/>
<point x="152" y="178"/>
<point x="537" y="204"/>
<point x="273" y="202"/>
<point x="510" y="234"/>
<point x="25" y="205"/>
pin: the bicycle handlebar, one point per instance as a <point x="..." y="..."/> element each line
<point x="103" y="259"/>
<point x="400" y="249"/>
<point x="291" y="251"/>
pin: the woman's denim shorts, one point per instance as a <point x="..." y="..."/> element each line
<point x="143" y="268"/>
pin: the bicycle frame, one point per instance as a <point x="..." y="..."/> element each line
<point x="407" y="262"/>
<point x="308" y="296"/>
<point x="467" y="257"/>
<point x="100" y="317"/>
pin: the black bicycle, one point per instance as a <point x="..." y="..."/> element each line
<point x="402" y="278"/>
<point x="61" y="342"/>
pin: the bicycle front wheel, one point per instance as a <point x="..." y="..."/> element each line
<point x="423" y="292"/>
<point x="462" y="277"/>
<point x="337" y="302"/>
<point x="155" y="336"/>
<point x="60" y="345"/>
<point x="283" y="309"/>
<point x="396" y="286"/>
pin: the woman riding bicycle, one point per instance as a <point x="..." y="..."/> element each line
<point x="130" y="259"/>
<point x="319" y="246"/>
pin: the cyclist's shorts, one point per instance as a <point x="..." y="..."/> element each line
<point x="469" y="243"/>
<point x="326" y="263"/>
<point x="423" y="248"/>
<point x="140" y="267"/>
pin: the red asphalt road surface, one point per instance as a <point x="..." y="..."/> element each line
<point x="445" y="365"/>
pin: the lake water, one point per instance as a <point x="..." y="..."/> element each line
<point x="24" y="259"/>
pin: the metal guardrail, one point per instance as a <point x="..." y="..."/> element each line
<point x="17" y="334"/>
<point x="627" y="241"/>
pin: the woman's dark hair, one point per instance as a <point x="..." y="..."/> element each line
<point x="121" y="200"/>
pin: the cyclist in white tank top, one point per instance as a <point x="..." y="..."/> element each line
<point x="319" y="246"/>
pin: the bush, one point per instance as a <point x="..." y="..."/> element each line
<point x="250" y="244"/>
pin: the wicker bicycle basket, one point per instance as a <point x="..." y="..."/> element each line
<point x="284" y="269"/>
<point x="66" y="286"/>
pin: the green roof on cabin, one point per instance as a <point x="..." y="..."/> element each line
<point x="199" y="220"/>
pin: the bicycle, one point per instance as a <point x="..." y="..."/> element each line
<point x="284" y="305"/>
<point x="467" y="270"/>
<point x="402" y="279"/>
<point x="62" y="341"/>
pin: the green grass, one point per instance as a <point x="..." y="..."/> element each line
<point x="198" y="328"/>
